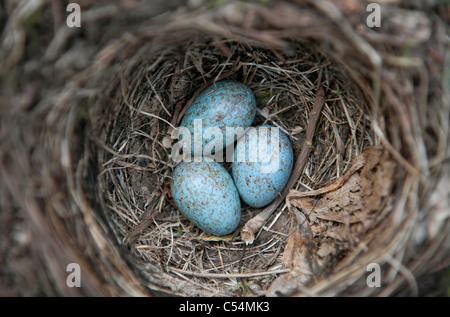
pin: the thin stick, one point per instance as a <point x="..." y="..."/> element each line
<point x="147" y="218"/>
<point x="228" y="275"/>
<point x="253" y="225"/>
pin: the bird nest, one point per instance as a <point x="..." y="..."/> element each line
<point x="89" y="162"/>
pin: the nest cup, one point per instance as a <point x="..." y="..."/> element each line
<point x="109" y="139"/>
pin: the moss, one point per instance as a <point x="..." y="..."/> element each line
<point x="263" y="96"/>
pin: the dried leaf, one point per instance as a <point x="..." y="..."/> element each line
<point x="340" y="211"/>
<point x="298" y="258"/>
<point x="355" y="196"/>
<point x="295" y="253"/>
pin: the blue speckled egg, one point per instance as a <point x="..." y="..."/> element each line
<point x="223" y="104"/>
<point x="260" y="178"/>
<point x="205" y="193"/>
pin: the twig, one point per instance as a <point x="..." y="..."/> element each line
<point x="147" y="218"/>
<point x="253" y="225"/>
<point x="176" y="114"/>
<point x="228" y="275"/>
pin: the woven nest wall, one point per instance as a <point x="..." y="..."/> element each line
<point x="86" y="163"/>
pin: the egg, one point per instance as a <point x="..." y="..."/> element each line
<point x="262" y="165"/>
<point x="205" y="193"/>
<point x="222" y="105"/>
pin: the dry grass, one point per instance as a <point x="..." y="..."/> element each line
<point x="137" y="163"/>
<point x="85" y="161"/>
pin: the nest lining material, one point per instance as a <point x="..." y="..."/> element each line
<point x="105" y="159"/>
<point x="141" y="165"/>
